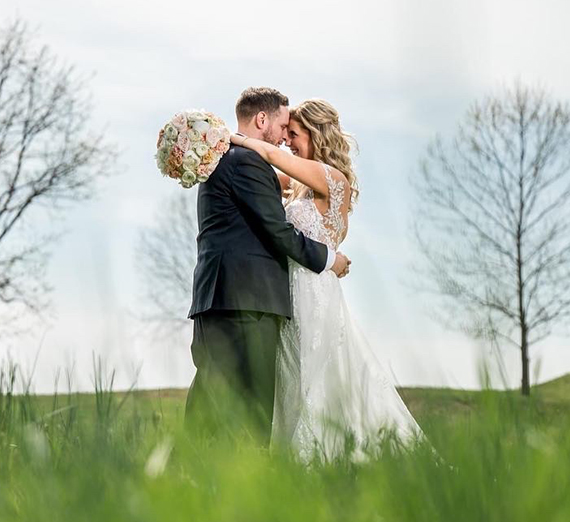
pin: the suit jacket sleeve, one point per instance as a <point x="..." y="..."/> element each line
<point x="257" y="194"/>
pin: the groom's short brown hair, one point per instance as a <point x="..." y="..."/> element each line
<point x="259" y="99"/>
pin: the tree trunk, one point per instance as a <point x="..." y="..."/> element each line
<point x="525" y="362"/>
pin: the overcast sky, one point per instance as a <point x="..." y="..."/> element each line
<point x="398" y="72"/>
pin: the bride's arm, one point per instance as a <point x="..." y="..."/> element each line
<point x="307" y="172"/>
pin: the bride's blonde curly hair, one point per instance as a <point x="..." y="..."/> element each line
<point x="332" y="145"/>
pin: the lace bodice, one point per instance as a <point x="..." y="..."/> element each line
<point x="327" y="228"/>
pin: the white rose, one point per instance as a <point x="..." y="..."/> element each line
<point x="179" y="121"/>
<point x="196" y="115"/>
<point x="201" y="149"/>
<point x="202" y="178"/>
<point x="226" y="134"/>
<point x="213" y="136"/>
<point x="201" y="126"/>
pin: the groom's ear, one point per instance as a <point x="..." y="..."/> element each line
<point x="261" y="119"/>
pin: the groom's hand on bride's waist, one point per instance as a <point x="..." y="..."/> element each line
<point x="341" y="266"/>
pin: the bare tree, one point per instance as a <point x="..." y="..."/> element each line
<point x="165" y="258"/>
<point x="48" y="159"/>
<point x="493" y="219"/>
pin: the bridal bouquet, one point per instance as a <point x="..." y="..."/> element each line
<point x="191" y="145"/>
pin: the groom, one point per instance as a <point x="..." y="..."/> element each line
<point x="241" y="283"/>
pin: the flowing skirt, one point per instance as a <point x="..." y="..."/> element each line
<point x="331" y="389"/>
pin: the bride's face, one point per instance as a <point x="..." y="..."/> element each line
<point x="299" y="140"/>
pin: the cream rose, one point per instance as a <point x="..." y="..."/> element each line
<point x="188" y="177"/>
<point x="170" y="132"/>
<point x="194" y="135"/>
<point x="201" y="149"/>
<point x="190" y="161"/>
<point x="163" y="153"/>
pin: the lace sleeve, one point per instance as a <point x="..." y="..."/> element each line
<point x="334" y="220"/>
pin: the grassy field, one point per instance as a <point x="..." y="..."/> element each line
<point x="115" y="456"/>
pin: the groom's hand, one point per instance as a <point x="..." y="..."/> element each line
<point x="341" y="265"/>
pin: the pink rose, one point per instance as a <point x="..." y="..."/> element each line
<point x="183" y="141"/>
<point x="202" y="170"/>
<point x="222" y="147"/>
<point x="213" y="136"/>
<point x="211" y="167"/>
<point x="180" y="122"/>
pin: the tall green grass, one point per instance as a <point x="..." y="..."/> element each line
<point x="125" y="456"/>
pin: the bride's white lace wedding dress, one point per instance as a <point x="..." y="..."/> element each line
<point x="328" y="380"/>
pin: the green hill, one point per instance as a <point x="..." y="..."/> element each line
<point x="548" y="400"/>
<point x="556" y="389"/>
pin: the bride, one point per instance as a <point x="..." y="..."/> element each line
<point x="330" y="387"/>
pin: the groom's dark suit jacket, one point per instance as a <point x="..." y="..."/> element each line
<point x="244" y="240"/>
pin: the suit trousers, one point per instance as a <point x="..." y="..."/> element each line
<point x="233" y="391"/>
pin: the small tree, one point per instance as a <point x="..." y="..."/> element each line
<point x="493" y="219"/>
<point x="166" y="257"/>
<point x="47" y="159"/>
